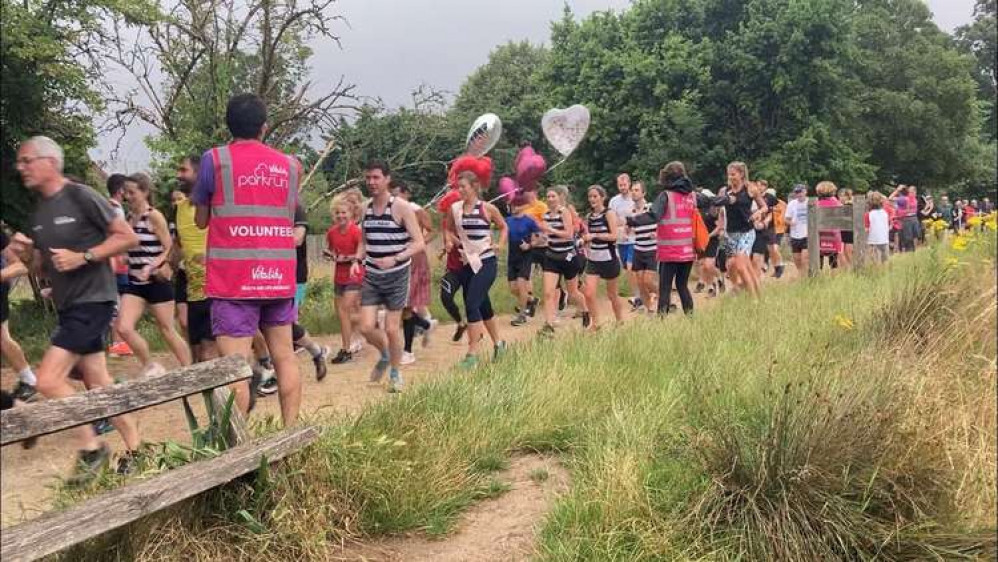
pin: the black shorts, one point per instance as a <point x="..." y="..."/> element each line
<point x="82" y="328"/>
<point x="537" y="255"/>
<point x="645" y="261"/>
<point x="180" y="286"/>
<point x="763" y="239"/>
<point x="152" y="293"/>
<point x="713" y="246"/>
<point x="5" y="305"/>
<point x="846" y="237"/>
<point x="798" y="245"/>
<point x="566" y="265"/>
<point x="199" y="322"/>
<point x="604" y="269"/>
<point x="518" y="264"/>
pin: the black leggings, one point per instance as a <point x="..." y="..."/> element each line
<point x="477" y="305"/>
<point x="449" y="285"/>
<point x="680" y="272"/>
<point x="409" y="325"/>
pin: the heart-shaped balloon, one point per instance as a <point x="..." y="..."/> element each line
<point x="507" y="187"/>
<point x="565" y="128"/>
<point x="530" y="167"/>
<point x="484" y="134"/>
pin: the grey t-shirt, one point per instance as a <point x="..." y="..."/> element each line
<point x="76" y="218"/>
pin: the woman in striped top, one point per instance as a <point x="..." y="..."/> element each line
<point x="560" y="256"/>
<point x="645" y="267"/>
<point x="149" y="277"/>
<point x="601" y="237"/>
<point x="469" y="223"/>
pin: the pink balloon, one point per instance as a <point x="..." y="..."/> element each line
<point x="530" y="167"/>
<point x="507" y="187"/>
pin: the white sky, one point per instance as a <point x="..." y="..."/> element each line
<point x="393" y="46"/>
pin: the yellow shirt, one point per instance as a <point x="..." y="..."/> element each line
<point x="536" y="210"/>
<point x="193" y="242"/>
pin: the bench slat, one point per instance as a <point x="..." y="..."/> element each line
<point x="50" y="416"/>
<point x="57" y="531"/>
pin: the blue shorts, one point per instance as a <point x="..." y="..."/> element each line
<point x="300" y="294"/>
<point x="739" y="243"/>
<point x="626" y="252"/>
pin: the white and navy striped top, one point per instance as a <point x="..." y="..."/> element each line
<point x="477" y="227"/>
<point x="644" y="237"/>
<point x="383" y="238"/>
<point x="600" y="250"/>
<point x="555" y="244"/>
<point x="150" y="248"/>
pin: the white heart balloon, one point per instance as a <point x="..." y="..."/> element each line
<point x="565" y="128"/>
<point x="484" y="134"/>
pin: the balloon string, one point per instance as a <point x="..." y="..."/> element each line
<point x="562" y="161"/>
<point x="509" y="195"/>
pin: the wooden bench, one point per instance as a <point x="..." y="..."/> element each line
<point x="55" y="531"/>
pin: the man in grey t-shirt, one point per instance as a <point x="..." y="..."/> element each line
<point x="623" y="205"/>
<point x="73" y="233"/>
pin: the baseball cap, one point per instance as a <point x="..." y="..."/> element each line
<point x="771" y="191"/>
<point x="800" y="188"/>
<point x="708" y="193"/>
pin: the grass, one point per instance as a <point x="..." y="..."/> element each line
<point x="845" y="417"/>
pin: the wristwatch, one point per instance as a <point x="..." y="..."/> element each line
<point x="89" y="257"/>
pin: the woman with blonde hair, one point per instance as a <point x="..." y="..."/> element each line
<point x="343" y="241"/>
<point x="559" y="256"/>
<point x="603" y="263"/>
<point x="829" y="240"/>
<point x="739" y="237"/>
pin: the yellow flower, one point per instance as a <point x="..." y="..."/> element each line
<point x="960" y="243"/>
<point x="844" y="322"/>
<point x="975" y="221"/>
<point x="951" y="262"/>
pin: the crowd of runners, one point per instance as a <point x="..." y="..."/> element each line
<point x="226" y="273"/>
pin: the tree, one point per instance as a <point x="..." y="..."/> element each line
<point x="980" y="39"/>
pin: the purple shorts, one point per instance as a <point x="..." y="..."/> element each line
<point x="242" y="318"/>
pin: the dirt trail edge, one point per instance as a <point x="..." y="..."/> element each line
<point x="502" y="528"/>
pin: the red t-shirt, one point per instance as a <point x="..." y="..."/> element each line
<point x="344" y="244"/>
<point x="454" y="262"/>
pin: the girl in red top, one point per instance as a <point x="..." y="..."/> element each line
<point x="343" y="240"/>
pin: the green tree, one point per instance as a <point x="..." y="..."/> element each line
<point x="980" y="39"/>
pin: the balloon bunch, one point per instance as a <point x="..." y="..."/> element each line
<point x="528" y="167"/>
<point x="482" y="137"/>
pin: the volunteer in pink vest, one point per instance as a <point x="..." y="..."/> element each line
<point x="247" y="192"/>
<point x="673" y="210"/>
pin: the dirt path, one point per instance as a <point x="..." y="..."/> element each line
<point x="28" y="475"/>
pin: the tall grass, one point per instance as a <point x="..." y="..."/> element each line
<point x="845" y="417"/>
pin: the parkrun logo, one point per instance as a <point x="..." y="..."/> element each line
<point x="265" y="175"/>
<point x="261" y="273"/>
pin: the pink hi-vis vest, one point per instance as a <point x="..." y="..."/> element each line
<point x="829" y="240"/>
<point x="251" y="243"/>
<point x="675" y="229"/>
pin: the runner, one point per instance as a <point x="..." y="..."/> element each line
<point x="74" y="231"/>
<point x="116" y="196"/>
<point x="392" y="235"/>
<point x="845" y="197"/>
<point x="645" y="265"/>
<point x="830" y="240"/>
<point x="559" y="257"/>
<point x="177" y="198"/>
<point x="926" y="210"/>
<point x="149" y="278"/>
<point x="248" y="192"/>
<point x="416" y="316"/>
<point x="775" y="229"/>
<point x="536" y="209"/>
<point x="470" y="223"/>
<point x="12" y="268"/>
<point x="906" y="205"/>
<point x="713" y="219"/>
<point x="603" y="262"/>
<point x="522" y="229"/>
<point x="622" y="204"/>
<point x="796" y="217"/>
<point x="673" y="211"/>
<point x="191" y="247"/>
<point x="764" y="233"/>
<point x="450" y="283"/>
<point x="738" y="197"/>
<point x="343" y="240"/>
<point x="878" y="228"/>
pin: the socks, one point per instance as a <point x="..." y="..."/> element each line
<point x="28" y="376"/>
<point x="265" y="362"/>
<point x="313" y="349"/>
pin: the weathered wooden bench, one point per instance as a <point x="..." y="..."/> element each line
<point x="56" y="531"/>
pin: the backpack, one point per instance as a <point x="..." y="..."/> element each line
<point x="700" y="235"/>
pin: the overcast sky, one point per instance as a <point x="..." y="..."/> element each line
<point x="392" y="46"/>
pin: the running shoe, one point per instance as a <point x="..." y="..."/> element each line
<point x="268" y="386"/>
<point x="699" y="287"/>
<point x="519" y="320"/>
<point x="587" y="319"/>
<point x="320" y="363"/>
<point x="395" y="383"/>
<point x="562" y="300"/>
<point x="426" y="333"/>
<point x="499" y="349"/>
<point x="379" y="369"/>
<point x="103" y="427"/>
<point x="459" y="332"/>
<point x="779" y="271"/>
<point x="342" y="357"/>
<point x="469" y="362"/>
<point x="356" y="346"/>
<point x="24" y="391"/>
<point x="636" y="304"/>
<point x="721" y="287"/>
<point x="711" y="292"/>
<point x="547" y="331"/>
<point x="532" y="306"/>
<point x="297" y="348"/>
<point x="407" y="358"/>
<point x="89" y="464"/>
<point x="119" y="349"/>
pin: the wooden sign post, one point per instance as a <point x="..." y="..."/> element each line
<point x="846" y="217"/>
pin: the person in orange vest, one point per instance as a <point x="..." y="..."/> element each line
<point x="248" y="192"/>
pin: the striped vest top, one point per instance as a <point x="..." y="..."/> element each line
<point x="477" y="227"/>
<point x="644" y="237"/>
<point x="558" y="245"/>
<point x="148" y="250"/>
<point x="600" y="250"/>
<point x="383" y="238"/>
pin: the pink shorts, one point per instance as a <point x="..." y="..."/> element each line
<point x="242" y="318"/>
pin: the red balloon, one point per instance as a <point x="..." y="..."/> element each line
<point x="481" y="166"/>
<point x="447" y="200"/>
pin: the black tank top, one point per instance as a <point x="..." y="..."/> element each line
<point x="740" y="212"/>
